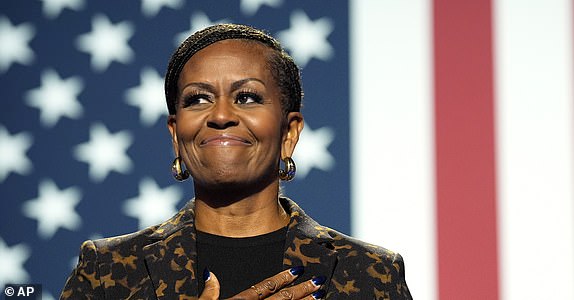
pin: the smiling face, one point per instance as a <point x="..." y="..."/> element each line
<point x="229" y="127"/>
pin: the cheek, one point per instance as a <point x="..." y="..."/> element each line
<point x="266" y="127"/>
<point x="187" y="128"/>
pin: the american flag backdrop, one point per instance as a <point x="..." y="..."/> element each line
<point x="440" y="129"/>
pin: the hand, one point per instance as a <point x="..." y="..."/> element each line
<point x="271" y="288"/>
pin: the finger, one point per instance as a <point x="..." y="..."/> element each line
<point x="300" y="291"/>
<point x="211" y="289"/>
<point x="270" y="285"/>
<point x="320" y="294"/>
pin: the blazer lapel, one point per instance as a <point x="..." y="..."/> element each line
<point x="171" y="261"/>
<point x="309" y="245"/>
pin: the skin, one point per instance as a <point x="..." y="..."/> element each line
<point x="281" y="280"/>
<point x="231" y="132"/>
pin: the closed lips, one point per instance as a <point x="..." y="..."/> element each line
<point x="225" y="140"/>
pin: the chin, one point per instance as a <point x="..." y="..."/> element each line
<point x="222" y="180"/>
<point x="219" y="178"/>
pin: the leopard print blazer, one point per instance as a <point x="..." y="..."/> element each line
<point x="159" y="262"/>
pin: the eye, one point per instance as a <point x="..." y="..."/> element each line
<point x="247" y="98"/>
<point x="195" y="99"/>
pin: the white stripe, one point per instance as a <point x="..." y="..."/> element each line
<point x="391" y="134"/>
<point x="535" y="148"/>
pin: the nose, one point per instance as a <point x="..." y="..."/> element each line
<point x="223" y="115"/>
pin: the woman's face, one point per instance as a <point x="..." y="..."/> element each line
<point x="229" y="128"/>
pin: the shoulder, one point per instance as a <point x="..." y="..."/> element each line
<point x="115" y="265"/>
<point x="104" y="263"/>
<point x="347" y="247"/>
<point x="357" y="250"/>
<point x="364" y="268"/>
<point x="111" y="249"/>
<point x="123" y="244"/>
<point x="133" y="243"/>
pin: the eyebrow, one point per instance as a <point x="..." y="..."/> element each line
<point x="200" y="85"/>
<point x="234" y="86"/>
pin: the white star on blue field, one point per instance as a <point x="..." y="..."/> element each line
<point x="13" y="158"/>
<point x="145" y="95"/>
<point x="153" y="204"/>
<point x="54" y="208"/>
<point x="307" y="39"/>
<point x="150" y="8"/>
<point x="56" y="98"/>
<point x="107" y="42"/>
<point x="53" y="8"/>
<point x="198" y="21"/>
<point x="15" y="41"/>
<point x="105" y="152"/>
<point x="12" y="259"/>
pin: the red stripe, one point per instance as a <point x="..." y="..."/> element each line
<point x="466" y="203"/>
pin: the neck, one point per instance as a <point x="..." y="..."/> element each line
<point x="237" y="213"/>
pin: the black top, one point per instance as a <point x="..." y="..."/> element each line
<point x="240" y="263"/>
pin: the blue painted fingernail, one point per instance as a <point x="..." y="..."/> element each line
<point x="318" y="294"/>
<point x="296" y="271"/>
<point x="206" y="274"/>
<point x="317" y="281"/>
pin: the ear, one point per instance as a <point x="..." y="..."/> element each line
<point x="292" y="133"/>
<point x="172" y="126"/>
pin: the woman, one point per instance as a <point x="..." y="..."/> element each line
<point x="234" y="100"/>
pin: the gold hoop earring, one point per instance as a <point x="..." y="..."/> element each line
<point x="289" y="173"/>
<point x="178" y="173"/>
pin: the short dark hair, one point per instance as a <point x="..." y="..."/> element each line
<point x="283" y="68"/>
